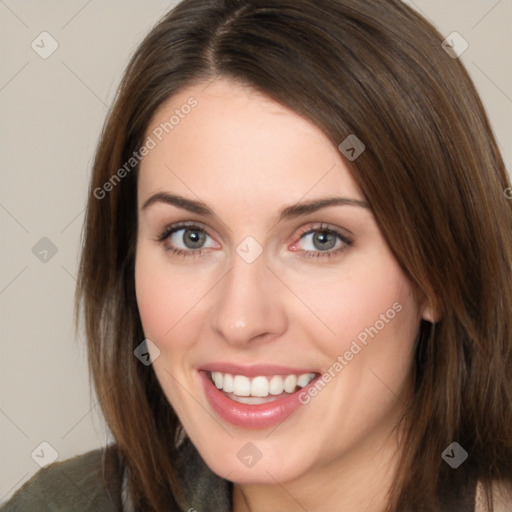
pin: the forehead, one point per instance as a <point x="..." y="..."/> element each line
<point x="242" y="146"/>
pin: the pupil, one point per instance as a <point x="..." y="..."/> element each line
<point x="322" y="238"/>
<point x="195" y="238"/>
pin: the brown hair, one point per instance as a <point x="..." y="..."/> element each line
<point x="431" y="172"/>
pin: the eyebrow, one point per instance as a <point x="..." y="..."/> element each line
<point x="288" y="212"/>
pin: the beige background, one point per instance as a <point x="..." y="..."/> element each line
<point x="52" y="111"/>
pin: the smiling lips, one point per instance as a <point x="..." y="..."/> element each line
<point x="256" y="396"/>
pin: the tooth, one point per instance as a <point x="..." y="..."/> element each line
<point x="290" y="383"/>
<point x="259" y="387"/>
<point x="251" y="400"/>
<point x="228" y="383"/>
<point x="305" y="379"/>
<point x="276" y="386"/>
<point x="217" y="378"/>
<point x="241" y="385"/>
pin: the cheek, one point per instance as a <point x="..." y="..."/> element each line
<point x="156" y="292"/>
<point x="371" y="301"/>
<point x="170" y="298"/>
<point x="374" y="318"/>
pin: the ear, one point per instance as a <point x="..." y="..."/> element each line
<point x="430" y="311"/>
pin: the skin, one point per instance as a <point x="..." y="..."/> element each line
<point x="247" y="157"/>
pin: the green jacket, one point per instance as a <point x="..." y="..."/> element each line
<point x="77" y="485"/>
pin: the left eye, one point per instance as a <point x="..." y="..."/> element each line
<point x="320" y="240"/>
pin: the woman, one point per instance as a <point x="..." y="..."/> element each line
<point x="296" y="272"/>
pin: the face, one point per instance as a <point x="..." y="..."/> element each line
<point x="261" y="295"/>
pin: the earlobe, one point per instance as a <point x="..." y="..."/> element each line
<point x="429" y="308"/>
<point x="430" y="312"/>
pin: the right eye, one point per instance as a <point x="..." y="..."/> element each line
<point x="184" y="239"/>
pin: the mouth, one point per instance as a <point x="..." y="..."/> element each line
<point x="256" y="401"/>
<point x="261" y="389"/>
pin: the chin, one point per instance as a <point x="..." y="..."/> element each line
<point x="235" y="464"/>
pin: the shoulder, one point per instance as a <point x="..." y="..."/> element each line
<point x="73" y="484"/>
<point x="502" y="497"/>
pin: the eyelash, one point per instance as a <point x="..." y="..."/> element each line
<point x="169" y="230"/>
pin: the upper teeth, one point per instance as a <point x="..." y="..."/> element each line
<point x="261" y="386"/>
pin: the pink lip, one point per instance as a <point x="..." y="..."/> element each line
<point x="254" y="370"/>
<point x="252" y="416"/>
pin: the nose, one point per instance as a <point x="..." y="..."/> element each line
<point x="248" y="305"/>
